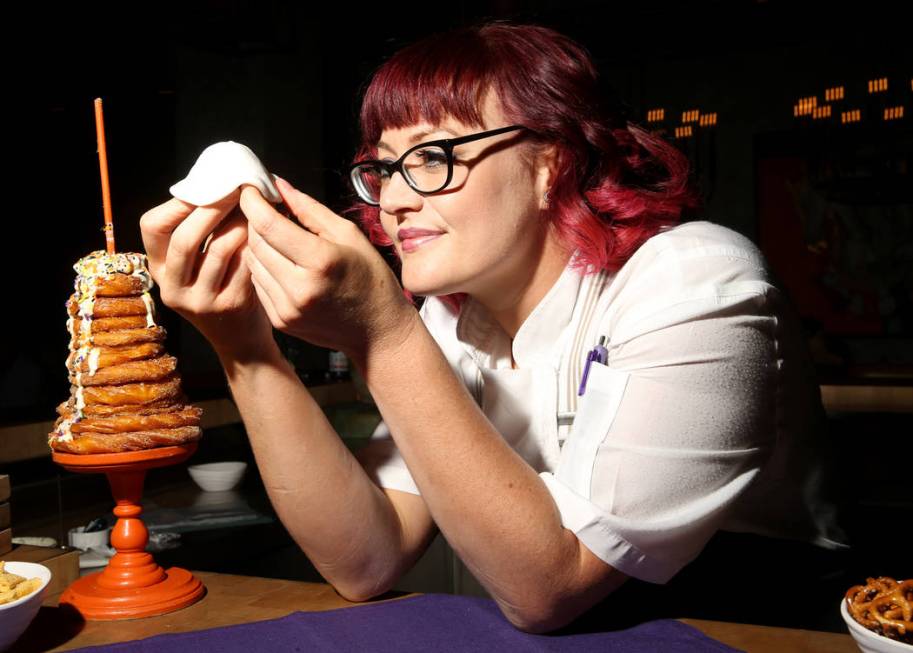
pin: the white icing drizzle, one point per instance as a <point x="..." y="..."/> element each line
<point x="93" y="360"/>
<point x="80" y="399"/>
<point x="150" y="310"/>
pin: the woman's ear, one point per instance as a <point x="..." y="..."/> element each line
<point x="546" y="167"/>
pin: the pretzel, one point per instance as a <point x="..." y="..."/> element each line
<point x="884" y="606"/>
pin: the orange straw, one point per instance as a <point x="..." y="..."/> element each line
<point x="105" y="187"/>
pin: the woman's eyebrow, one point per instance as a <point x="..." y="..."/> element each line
<point x="415" y="138"/>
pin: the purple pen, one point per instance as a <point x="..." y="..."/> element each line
<point x="590" y="357"/>
<point x="599" y="354"/>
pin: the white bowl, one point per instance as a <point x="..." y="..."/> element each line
<point x="16" y="616"/>
<point x="79" y="539"/>
<point x="869" y="641"/>
<point x="217" y="477"/>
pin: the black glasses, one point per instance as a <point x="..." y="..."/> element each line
<point x="427" y="167"/>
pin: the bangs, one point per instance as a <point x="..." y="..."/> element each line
<point x="428" y="82"/>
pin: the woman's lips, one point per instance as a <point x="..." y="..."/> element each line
<point x="412" y="239"/>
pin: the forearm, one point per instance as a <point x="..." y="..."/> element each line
<point x="341" y="520"/>
<point x="490" y="504"/>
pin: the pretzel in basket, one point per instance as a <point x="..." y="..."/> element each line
<point x="885" y="606"/>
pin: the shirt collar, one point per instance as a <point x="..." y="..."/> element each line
<point x="538" y="336"/>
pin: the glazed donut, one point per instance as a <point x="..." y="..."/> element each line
<point x="111" y="323"/>
<point x="111" y="307"/>
<point x="128" y="337"/>
<point x="108" y="356"/>
<point x="153" y="369"/>
<point x="120" y="285"/>
<point x="133" y="393"/>
<point x="67" y="410"/>
<point x="129" y="422"/>
<point x="86" y="443"/>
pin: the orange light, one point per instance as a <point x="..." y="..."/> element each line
<point x="656" y="115"/>
<point x="805" y="106"/>
<point x="850" y="116"/>
<point x="683" y="132"/>
<point x="833" y="94"/>
<point x="879" y="85"/>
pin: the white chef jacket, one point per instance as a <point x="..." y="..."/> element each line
<point x="706" y="416"/>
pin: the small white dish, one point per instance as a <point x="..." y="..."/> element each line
<point x="869" y="641"/>
<point x="16" y="616"/>
<point x="79" y="539"/>
<point x="217" y="477"/>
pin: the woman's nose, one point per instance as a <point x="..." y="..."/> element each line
<point x="397" y="196"/>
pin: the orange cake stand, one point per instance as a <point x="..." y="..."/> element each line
<point x="132" y="585"/>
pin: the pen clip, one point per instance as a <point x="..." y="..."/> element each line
<point x="599" y="354"/>
<point x="602" y="354"/>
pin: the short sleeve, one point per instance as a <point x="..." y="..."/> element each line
<point x="673" y="430"/>
<point x="384" y="464"/>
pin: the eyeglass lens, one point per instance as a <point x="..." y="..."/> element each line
<point x="424" y="168"/>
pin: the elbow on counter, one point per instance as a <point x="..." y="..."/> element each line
<point x="362" y="589"/>
<point x="540" y="619"/>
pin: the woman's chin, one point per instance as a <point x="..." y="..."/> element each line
<point x="425" y="286"/>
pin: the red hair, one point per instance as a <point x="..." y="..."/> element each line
<point x="617" y="184"/>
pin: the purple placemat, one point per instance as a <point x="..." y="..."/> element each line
<point x="431" y="622"/>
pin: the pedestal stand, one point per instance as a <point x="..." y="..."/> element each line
<point x="132" y="585"/>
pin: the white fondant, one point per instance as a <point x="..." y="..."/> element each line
<point x="220" y="169"/>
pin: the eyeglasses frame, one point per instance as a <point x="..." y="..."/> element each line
<point x="446" y="144"/>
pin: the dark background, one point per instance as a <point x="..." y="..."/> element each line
<point x="285" y="78"/>
<point x="829" y="203"/>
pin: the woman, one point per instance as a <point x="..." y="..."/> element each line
<point x="535" y="220"/>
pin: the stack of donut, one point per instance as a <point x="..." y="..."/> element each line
<point x="125" y="392"/>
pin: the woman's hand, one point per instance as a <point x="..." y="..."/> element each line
<point x="208" y="285"/>
<point x="326" y="283"/>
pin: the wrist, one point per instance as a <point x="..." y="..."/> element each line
<point x="390" y="345"/>
<point x="237" y="354"/>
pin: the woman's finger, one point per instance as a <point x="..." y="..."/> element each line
<point x="313" y="215"/>
<point x="287" y="238"/>
<point x="157" y="225"/>
<point x="265" y="300"/>
<point x="275" y="263"/>
<point x="279" y="299"/>
<point x="266" y="303"/>
<point x="222" y="247"/>
<point x="187" y="238"/>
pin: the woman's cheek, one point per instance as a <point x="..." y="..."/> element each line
<point x="388" y="224"/>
